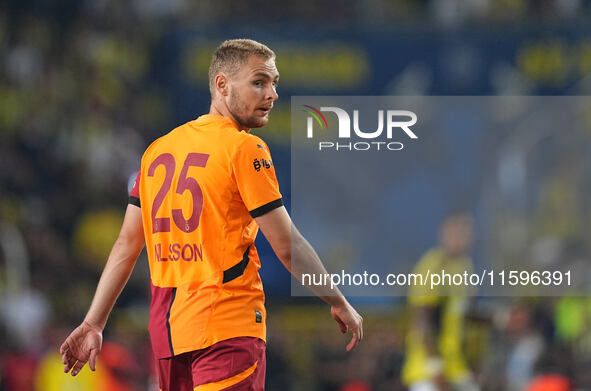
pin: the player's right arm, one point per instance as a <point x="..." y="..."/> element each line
<point x="298" y="256"/>
<point x="422" y="320"/>
<point x="84" y="343"/>
<point x="424" y="315"/>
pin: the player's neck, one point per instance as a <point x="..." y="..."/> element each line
<point x="217" y="108"/>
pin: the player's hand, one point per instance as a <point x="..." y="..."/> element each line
<point x="82" y="345"/>
<point x="348" y="319"/>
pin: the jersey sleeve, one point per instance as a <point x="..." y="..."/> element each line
<point x="254" y="173"/>
<point x="134" y="195"/>
<point x="422" y="295"/>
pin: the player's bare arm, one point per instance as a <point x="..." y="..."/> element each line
<point x="84" y="343"/>
<point x="289" y="246"/>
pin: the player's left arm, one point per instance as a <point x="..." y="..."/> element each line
<point x="84" y="343"/>
<point x="255" y="176"/>
<point x="289" y="245"/>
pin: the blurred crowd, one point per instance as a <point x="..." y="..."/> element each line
<point x="80" y="101"/>
<point x="73" y="94"/>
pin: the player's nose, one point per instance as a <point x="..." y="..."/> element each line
<point x="272" y="94"/>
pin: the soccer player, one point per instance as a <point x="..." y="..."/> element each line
<point x="203" y="191"/>
<point x="434" y="355"/>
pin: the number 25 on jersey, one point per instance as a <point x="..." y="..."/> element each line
<point x="162" y="224"/>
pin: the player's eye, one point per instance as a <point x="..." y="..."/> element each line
<point x="258" y="83"/>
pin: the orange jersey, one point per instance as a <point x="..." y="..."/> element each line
<point x="199" y="188"/>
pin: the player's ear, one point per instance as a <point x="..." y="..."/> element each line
<point x="221" y="84"/>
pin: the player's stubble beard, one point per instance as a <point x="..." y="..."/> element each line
<point x="238" y="108"/>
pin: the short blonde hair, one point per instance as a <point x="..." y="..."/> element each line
<point x="232" y="54"/>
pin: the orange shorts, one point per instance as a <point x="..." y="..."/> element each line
<point x="236" y="364"/>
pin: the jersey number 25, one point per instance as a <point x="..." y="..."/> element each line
<point x="162" y="224"/>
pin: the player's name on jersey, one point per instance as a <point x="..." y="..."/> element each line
<point x="176" y="251"/>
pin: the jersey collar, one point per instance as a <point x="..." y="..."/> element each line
<point x="209" y="118"/>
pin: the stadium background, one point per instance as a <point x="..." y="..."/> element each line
<point x="85" y="87"/>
